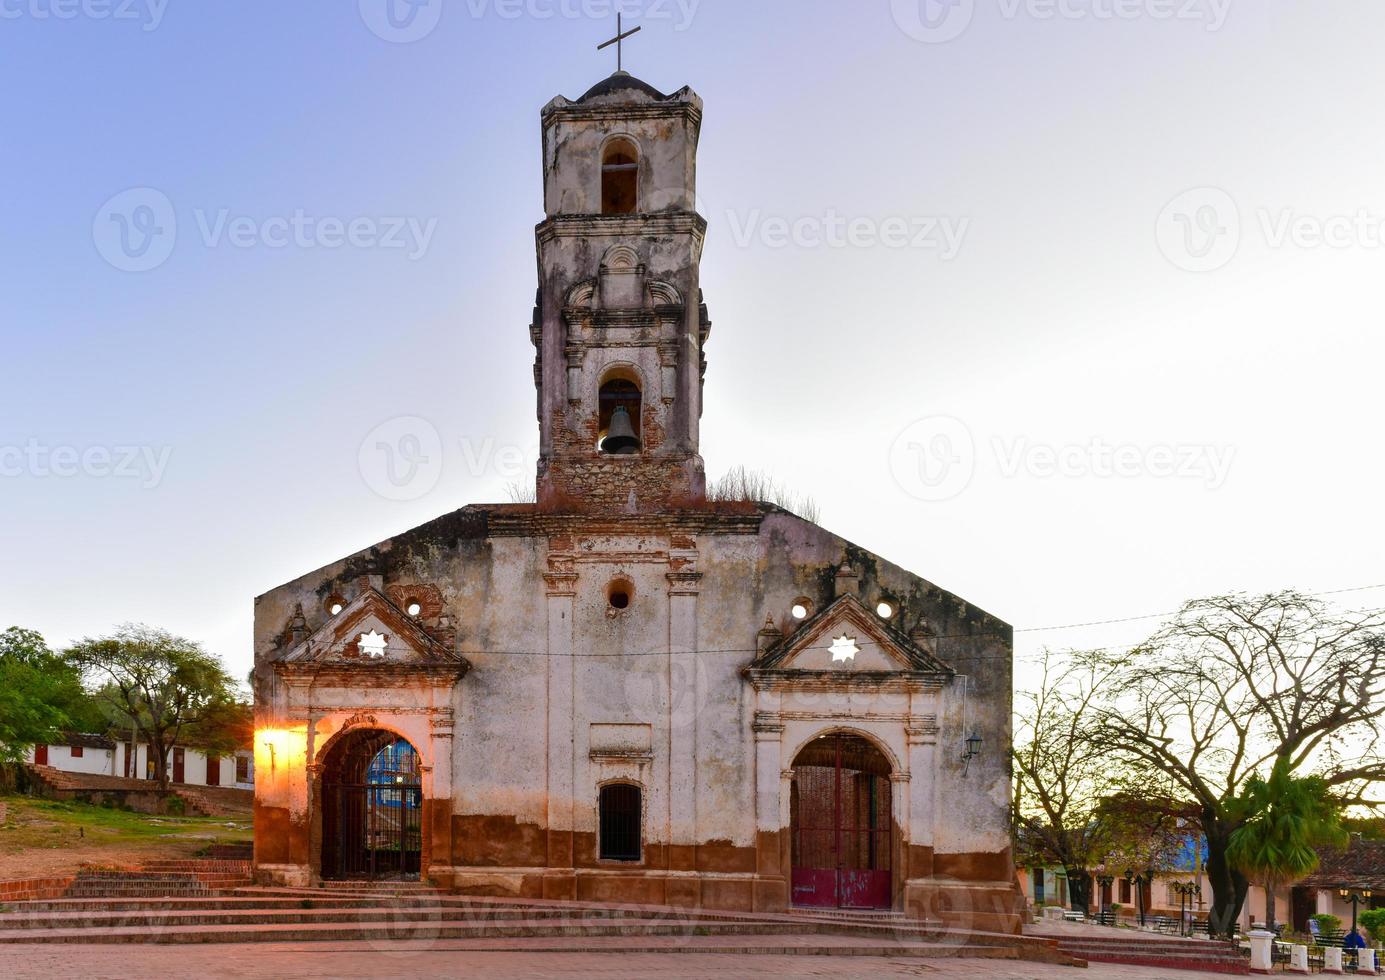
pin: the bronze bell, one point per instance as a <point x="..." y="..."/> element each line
<point x="620" y="437"/>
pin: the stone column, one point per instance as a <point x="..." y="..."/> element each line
<point x="437" y="793"/>
<point x="560" y="882"/>
<point x="922" y="735"/>
<point x="313" y="821"/>
<point x="684" y="706"/>
<point x="900" y="783"/>
<point x="771" y="876"/>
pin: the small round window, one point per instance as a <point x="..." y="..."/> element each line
<point x="885" y="610"/>
<point x="801" y="609"/>
<point x="620" y="594"/>
<point x="414" y="609"/>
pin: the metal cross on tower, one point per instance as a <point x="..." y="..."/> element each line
<point x="619" y="42"/>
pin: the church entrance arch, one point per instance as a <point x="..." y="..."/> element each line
<point x="372" y="808"/>
<point x="841" y="831"/>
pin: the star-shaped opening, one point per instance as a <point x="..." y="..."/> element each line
<point x="372" y="645"/>
<point x="844" y="649"/>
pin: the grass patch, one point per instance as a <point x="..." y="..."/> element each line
<point x="36" y="823"/>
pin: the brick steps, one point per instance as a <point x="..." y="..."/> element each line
<point x="385" y="929"/>
<point x="158" y="918"/>
<point x="393" y="916"/>
<point x="412" y="912"/>
<point x="174" y="879"/>
<point x="207" y="801"/>
<point x="1167" y="952"/>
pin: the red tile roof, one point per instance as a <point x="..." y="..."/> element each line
<point x="1361" y="865"/>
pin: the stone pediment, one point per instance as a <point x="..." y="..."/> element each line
<point x="373" y="634"/>
<point x="846" y="644"/>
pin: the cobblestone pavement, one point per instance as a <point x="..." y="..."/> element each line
<point x="311" y="960"/>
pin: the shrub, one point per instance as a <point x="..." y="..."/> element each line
<point x="1373" y="921"/>
<point x="1327" y="922"/>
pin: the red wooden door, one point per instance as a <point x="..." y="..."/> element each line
<point x="213" y="770"/>
<point x="179" y="771"/>
<point x="840" y="825"/>
<point x="40" y="755"/>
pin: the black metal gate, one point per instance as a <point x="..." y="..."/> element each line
<point x="372" y="831"/>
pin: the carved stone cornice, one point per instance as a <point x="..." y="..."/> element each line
<point x="621" y="226"/>
<point x="767" y="726"/>
<point x="560" y="584"/>
<point x="619" y="755"/>
<point x="843" y="681"/>
<point x="684" y="583"/>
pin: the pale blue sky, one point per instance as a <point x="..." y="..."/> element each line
<point x="1059" y="311"/>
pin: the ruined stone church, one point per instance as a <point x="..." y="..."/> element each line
<point x="624" y="691"/>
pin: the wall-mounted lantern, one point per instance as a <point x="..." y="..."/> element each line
<point x="972" y="750"/>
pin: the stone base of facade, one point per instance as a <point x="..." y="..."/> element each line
<point x="975" y="906"/>
<point x="283" y="875"/>
<point x="709" y="890"/>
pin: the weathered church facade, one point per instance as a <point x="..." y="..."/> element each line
<point x="625" y="692"/>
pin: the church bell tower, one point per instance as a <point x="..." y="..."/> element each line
<point x="619" y="322"/>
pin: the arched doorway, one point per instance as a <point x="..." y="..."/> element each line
<point x="372" y="808"/>
<point x="841" y="832"/>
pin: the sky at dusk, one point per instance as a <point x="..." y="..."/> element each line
<point x="1072" y="307"/>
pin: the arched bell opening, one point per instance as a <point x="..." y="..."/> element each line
<point x="372" y="808"/>
<point x="840" y="825"/>
<point x="620" y="177"/>
<point x="619" y="404"/>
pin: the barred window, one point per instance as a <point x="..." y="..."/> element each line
<point x="620" y="822"/>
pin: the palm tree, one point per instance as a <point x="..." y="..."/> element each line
<point x="1285" y="819"/>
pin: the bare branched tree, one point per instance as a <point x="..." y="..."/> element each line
<point x="1061" y="777"/>
<point x="1235" y="684"/>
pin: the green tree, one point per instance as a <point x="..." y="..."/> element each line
<point x="1235" y="686"/>
<point x="1373" y="921"/>
<point x="1284" y="820"/>
<point x="160" y="685"/>
<point x="40" y="695"/>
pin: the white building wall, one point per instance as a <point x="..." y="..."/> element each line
<point x="92" y="761"/>
<point x="111" y="762"/>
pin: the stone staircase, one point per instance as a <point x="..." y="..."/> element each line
<point x="195" y="911"/>
<point x="206" y="801"/>
<point x="160" y="879"/>
<point x="1133" y="948"/>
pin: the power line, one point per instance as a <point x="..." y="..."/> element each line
<point x="862" y="642"/>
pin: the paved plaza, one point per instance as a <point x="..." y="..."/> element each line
<point x="309" y="960"/>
